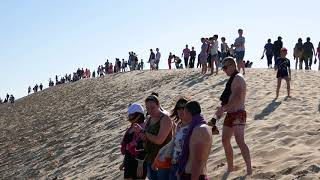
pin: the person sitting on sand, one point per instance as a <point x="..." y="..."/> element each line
<point x="192" y="163"/>
<point x="232" y="102"/>
<point x="11" y="99"/>
<point x="283" y="71"/>
<point x="177" y="62"/>
<point x="157" y="133"/>
<point x="133" y="164"/>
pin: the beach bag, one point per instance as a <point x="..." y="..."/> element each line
<point x="164" y="157"/>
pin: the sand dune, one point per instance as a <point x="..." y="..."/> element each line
<point x="73" y="131"/>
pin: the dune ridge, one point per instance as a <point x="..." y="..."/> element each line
<point x="73" y="131"/>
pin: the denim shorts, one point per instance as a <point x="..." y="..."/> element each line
<point x="239" y="55"/>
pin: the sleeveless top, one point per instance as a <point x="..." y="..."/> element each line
<point x="178" y="142"/>
<point x="151" y="148"/>
<point x="224" y="98"/>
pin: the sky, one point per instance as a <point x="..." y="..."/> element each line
<point x="40" y="38"/>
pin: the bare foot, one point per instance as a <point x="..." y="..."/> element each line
<point x="235" y="168"/>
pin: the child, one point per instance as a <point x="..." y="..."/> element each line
<point x="282" y="67"/>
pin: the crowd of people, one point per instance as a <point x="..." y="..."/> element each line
<point x="209" y="59"/>
<point x="303" y="53"/>
<point x="173" y="145"/>
<point x="102" y="70"/>
<point x="176" y="145"/>
<point x="7" y="99"/>
<point x="211" y="55"/>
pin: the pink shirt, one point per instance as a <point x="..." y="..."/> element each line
<point x="186" y="53"/>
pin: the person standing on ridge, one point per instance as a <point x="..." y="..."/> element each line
<point x="193" y="55"/>
<point x="308" y="52"/>
<point x="158" y="56"/>
<point x="186" y="55"/>
<point x="240" y="50"/>
<point x="297" y="53"/>
<point x="269" y="53"/>
<point x="277" y="45"/>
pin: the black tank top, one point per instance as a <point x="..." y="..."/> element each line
<point x="151" y="148"/>
<point x="224" y="98"/>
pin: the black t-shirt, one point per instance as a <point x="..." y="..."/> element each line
<point x="283" y="65"/>
<point x="299" y="46"/>
<point x="152" y="55"/>
<point x="277" y="45"/>
<point x="193" y="54"/>
<point x="307" y="48"/>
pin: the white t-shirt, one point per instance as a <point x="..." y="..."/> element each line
<point x="214" y="48"/>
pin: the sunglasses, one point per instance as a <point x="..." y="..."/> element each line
<point x="225" y="67"/>
<point x="180" y="108"/>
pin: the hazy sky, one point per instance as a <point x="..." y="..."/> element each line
<point x="42" y="38"/>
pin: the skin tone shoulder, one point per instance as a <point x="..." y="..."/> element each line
<point x="200" y="148"/>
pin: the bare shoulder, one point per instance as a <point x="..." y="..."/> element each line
<point x="239" y="81"/>
<point x="202" y="133"/>
<point x="166" y="119"/>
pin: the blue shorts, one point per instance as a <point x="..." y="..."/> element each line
<point x="239" y="55"/>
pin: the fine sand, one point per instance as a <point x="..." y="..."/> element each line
<point x="73" y="131"/>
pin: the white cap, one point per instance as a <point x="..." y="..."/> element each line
<point x="135" y="107"/>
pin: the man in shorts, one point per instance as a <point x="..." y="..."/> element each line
<point x="232" y="102"/>
<point x="240" y="50"/>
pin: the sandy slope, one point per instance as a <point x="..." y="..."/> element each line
<point x="74" y="130"/>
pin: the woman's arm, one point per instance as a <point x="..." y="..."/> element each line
<point x="165" y="129"/>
